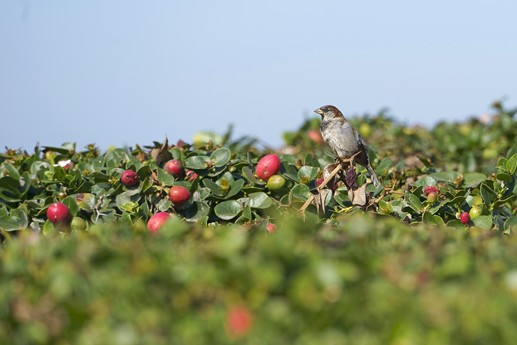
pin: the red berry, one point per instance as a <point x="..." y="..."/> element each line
<point x="58" y="213"/>
<point x="179" y="195"/>
<point x="271" y="227"/>
<point x="129" y="178"/>
<point x="191" y="175"/>
<point x="174" y="168"/>
<point x="238" y="321"/>
<point x="157" y="220"/>
<point x="268" y="166"/>
<point x="431" y="189"/>
<point x="464" y="217"/>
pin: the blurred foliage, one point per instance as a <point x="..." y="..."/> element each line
<point x="356" y="279"/>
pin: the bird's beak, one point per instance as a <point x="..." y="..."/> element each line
<point x="319" y="111"/>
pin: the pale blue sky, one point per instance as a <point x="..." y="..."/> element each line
<point x="129" y="72"/>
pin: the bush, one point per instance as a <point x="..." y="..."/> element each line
<point x="357" y="279"/>
<point x="237" y="263"/>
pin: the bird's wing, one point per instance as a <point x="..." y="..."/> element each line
<point x="361" y="141"/>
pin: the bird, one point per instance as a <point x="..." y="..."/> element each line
<point x="343" y="139"/>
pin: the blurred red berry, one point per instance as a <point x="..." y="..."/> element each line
<point x="271" y="227"/>
<point x="315" y="136"/>
<point x="238" y="321"/>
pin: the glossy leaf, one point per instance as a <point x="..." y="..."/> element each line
<point x="221" y="157"/>
<point x="229" y="209"/>
<point x="260" y="200"/>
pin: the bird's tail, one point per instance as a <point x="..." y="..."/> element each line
<point x="373" y="176"/>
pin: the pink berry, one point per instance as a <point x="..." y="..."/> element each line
<point x="268" y="166"/>
<point x="271" y="227"/>
<point x="238" y="321"/>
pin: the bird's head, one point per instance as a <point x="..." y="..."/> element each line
<point x="329" y="112"/>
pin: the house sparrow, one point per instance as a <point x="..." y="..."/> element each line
<point x="344" y="140"/>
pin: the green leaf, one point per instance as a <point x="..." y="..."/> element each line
<point x="70" y="202"/>
<point x="413" y="202"/>
<point x="503" y="177"/>
<point x="16" y="220"/>
<point x="300" y="192"/>
<point x="247" y="212"/>
<point x="214" y="187"/>
<point x="129" y="207"/>
<point x="248" y="174"/>
<point x="483" y="222"/>
<point x="48" y="227"/>
<point x="455" y="224"/>
<point x="221" y="157"/>
<point x="235" y="188"/>
<point x="128" y="196"/>
<point x="488" y="194"/>
<point x="447" y="176"/>
<point x="196" y="162"/>
<point x="457" y="200"/>
<point x="25" y="182"/>
<point x="501" y="202"/>
<point x="384" y="164"/>
<point x="228" y="209"/>
<point x="9" y="189"/>
<point x="432" y="219"/>
<point x="510" y="225"/>
<point x="426" y="181"/>
<point x="201" y="194"/>
<point x="163" y="205"/>
<point x="291" y="172"/>
<point x="85" y="201"/>
<point x="12" y="171"/>
<point x="144" y="172"/>
<point x="165" y="178"/>
<point x="307" y="174"/>
<point x="260" y="200"/>
<point x="473" y="179"/>
<point x="197" y="211"/>
<point x="511" y="164"/>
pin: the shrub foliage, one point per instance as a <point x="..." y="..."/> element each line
<point x="401" y="269"/>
